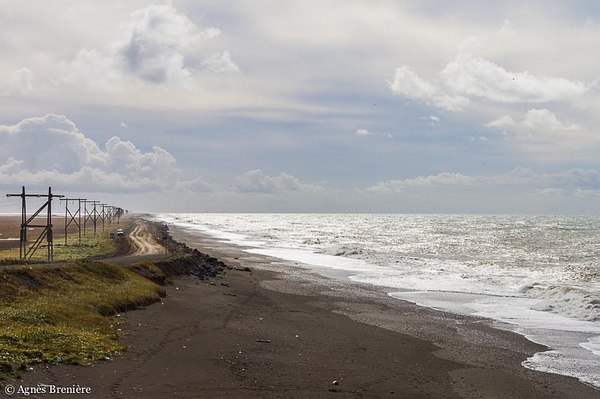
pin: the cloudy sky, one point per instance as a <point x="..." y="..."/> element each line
<point x="322" y="106"/>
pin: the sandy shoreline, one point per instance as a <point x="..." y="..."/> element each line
<point x="472" y="342"/>
<point x="263" y="334"/>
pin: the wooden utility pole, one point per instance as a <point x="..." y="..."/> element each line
<point x="95" y="214"/>
<point x="74" y="218"/>
<point x="87" y="215"/>
<point x="24" y="252"/>
<point x="118" y="213"/>
<point x="113" y="214"/>
<point x="91" y="214"/>
<point x="103" y="214"/>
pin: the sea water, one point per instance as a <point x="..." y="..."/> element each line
<point x="536" y="275"/>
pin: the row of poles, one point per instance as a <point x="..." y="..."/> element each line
<point x="83" y="212"/>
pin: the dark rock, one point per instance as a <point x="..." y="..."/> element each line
<point x="187" y="261"/>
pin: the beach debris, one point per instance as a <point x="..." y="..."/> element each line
<point x="264" y="341"/>
<point x="297" y="336"/>
<point x="260" y="319"/>
<point x="226" y="284"/>
<point x="334" y="383"/>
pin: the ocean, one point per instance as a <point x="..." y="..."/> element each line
<point x="538" y="276"/>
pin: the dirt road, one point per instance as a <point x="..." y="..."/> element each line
<point x="142" y="241"/>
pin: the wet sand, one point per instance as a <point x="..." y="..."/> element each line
<point x="265" y="334"/>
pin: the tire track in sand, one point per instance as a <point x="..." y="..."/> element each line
<point x="143" y="242"/>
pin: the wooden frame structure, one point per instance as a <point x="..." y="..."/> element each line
<point x="28" y="222"/>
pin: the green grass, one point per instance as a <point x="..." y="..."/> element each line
<point x="91" y="246"/>
<point x="66" y="314"/>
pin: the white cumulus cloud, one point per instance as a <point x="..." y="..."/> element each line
<point x="504" y="121"/>
<point x="255" y="181"/>
<point x="409" y="84"/>
<point x="220" y="63"/>
<point x="51" y="150"/>
<point x="543" y="119"/>
<point x="159" y="45"/>
<point x="471" y="76"/>
<point x="569" y="181"/>
<point x="468" y="77"/>
<point x="534" y="121"/>
<point x="544" y="136"/>
<point x="440" y="179"/>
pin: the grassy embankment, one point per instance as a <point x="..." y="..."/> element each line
<point x="67" y="313"/>
<point x="91" y="246"/>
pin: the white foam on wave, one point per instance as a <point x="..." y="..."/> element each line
<point x="427" y="274"/>
<point x="515" y="311"/>
<point x="314" y="259"/>
<point x="593" y="345"/>
<point x="189" y="223"/>
<point x="343" y="250"/>
<point x="575" y="343"/>
<point x="564" y="358"/>
<point x="570" y="301"/>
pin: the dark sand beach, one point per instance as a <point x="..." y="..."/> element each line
<point x="264" y="334"/>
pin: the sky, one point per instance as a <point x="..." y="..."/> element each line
<point x="303" y="106"/>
